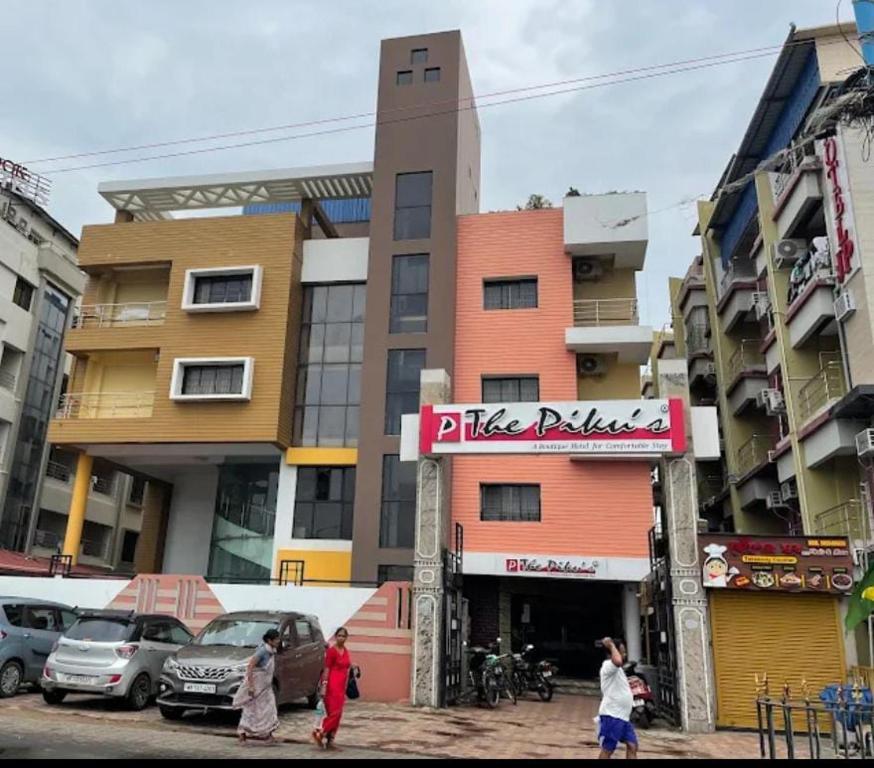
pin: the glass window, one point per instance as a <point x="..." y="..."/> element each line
<point x="329" y="373"/>
<point x="68" y="618"/>
<point x="518" y="389"/>
<point x="394" y="573"/>
<point x="303" y="631"/>
<point x="324" y="503"/>
<point x="419" y="56"/>
<point x="23" y="294"/>
<point x="409" y="294"/>
<point x="242" y="633"/>
<point x="179" y="635"/>
<point x="137" y="491"/>
<point x="510" y="294"/>
<point x="520" y="503"/>
<point x="222" y="289"/>
<point x="432" y="75"/>
<point x="397" y="525"/>
<point x="402" y="386"/>
<point x="405" y="77"/>
<point x="212" y="379"/>
<point x="413" y="205"/>
<point x="101" y="630"/>
<point x="14" y="614"/>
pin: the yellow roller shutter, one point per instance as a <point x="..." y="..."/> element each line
<point x="791" y="637"/>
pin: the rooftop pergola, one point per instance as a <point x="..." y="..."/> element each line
<point x="156" y="198"/>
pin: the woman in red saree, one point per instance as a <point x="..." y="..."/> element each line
<point x="335" y="678"/>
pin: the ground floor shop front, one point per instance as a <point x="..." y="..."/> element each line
<point x="563" y="618"/>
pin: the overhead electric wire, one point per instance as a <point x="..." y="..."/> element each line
<point x="459" y="106"/>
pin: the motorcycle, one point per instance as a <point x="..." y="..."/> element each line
<point x="488" y="677"/>
<point x="644" y="709"/>
<point x="531" y="674"/>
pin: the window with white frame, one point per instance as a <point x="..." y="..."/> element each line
<point x="225" y="378"/>
<point x="224" y="289"/>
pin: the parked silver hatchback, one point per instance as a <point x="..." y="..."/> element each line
<point x="117" y="654"/>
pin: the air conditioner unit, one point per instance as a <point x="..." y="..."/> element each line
<point x="845" y="305"/>
<point x="761" y="303"/>
<point x="789" y="490"/>
<point x="774" y="500"/>
<point x="591" y="365"/>
<point x="588" y="269"/>
<point x="865" y="443"/>
<point x="787" y="252"/>
<point x="774" y="402"/>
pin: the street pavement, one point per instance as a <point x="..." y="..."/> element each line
<point x="563" y="728"/>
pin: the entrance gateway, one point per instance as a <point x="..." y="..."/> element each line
<point x="616" y="431"/>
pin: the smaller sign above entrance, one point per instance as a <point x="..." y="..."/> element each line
<point x="788" y="564"/>
<point x="611" y="427"/>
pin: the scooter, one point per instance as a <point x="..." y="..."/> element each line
<point x="644" y="709"/>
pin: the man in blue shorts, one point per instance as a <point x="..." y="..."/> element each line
<point x="614" y="715"/>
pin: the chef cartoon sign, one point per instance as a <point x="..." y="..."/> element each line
<point x="716" y="570"/>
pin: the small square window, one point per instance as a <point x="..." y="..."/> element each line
<point x="23" y="294"/>
<point x="419" y="56"/>
<point x="405" y="77"/>
<point x="432" y="75"/>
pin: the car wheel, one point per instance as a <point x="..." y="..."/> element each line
<point x="54" y="696"/>
<point x="11" y="675"/>
<point x="171" y="713"/>
<point x="139" y="693"/>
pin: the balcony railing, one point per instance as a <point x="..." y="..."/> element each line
<point x="95" y="548"/>
<point x="709" y="485"/>
<point x="847" y="519"/>
<point x="112" y="315"/>
<point x="753" y="453"/>
<point x="747" y="357"/>
<point x="697" y="339"/>
<point x="47" y="540"/>
<point x="597" y="312"/>
<point x="827" y="385"/>
<point x="737" y="271"/>
<point x="58" y="471"/>
<point x="7" y="380"/>
<point x="106" y="405"/>
<point x="102" y="484"/>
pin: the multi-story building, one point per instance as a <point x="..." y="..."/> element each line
<point x="39" y="284"/>
<point x="773" y="320"/>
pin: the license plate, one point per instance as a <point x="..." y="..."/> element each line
<point x="638" y="702"/>
<point x="78" y="679"/>
<point x="199" y="687"/>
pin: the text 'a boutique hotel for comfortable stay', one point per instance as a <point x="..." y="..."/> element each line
<point x="253" y="367"/>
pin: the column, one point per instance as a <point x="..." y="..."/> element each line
<point x="695" y="684"/>
<point x="631" y="621"/>
<point x="432" y="538"/>
<point x="149" y="555"/>
<point x="78" y="505"/>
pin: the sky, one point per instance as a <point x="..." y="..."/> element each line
<point x="85" y="75"/>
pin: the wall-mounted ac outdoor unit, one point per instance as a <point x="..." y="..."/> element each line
<point x="787" y="252"/>
<point x="865" y="443"/>
<point x="789" y="490"/>
<point x="845" y="305"/>
<point x="774" y="500"/>
<point x="588" y="269"/>
<point x="591" y="365"/>
<point x="762" y="304"/>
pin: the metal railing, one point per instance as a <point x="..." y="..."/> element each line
<point x="130" y="313"/>
<point x="7" y="380"/>
<point x="747" y="357"/>
<point x="103" y="484"/>
<point x="47" y="540"/>
<point x="753" y="453"/>
<point x="106" y="405"/>
<point x="710" y="484"/>
<point x="737" y="271"/>
<point x="826" y="385"/>
<point x="59" y="471"/>
<point x="598" y="312"/>
<point x="255" y="518"/>
<point x="848" y="519"/>
<point x="91" y="548"/>
<point x="697" y="339"/>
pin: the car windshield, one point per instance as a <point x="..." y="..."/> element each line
<point x="239" y="632"/>
<point x="100" y="630"/>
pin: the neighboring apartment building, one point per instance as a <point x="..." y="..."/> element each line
<point x="774" y="321"/>
<point x="546" y="311"/>
<point x="231" y="375"/>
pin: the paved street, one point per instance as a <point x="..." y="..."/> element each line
<point x="564" y="728"/>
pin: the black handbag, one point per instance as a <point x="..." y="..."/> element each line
<point x="352" y="691"/>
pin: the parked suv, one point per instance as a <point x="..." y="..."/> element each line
<point x="28" y="630"/>
<point x="117" y="654"/>
<point x="206" y="674"/>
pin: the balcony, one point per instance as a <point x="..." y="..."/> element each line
<point x="607" y="225"/>
<point x="847" y="519"/>
<point x="736" y="291"/>
<point x="698" y="341"/>
<point x="811" y="312"/>
<point x="797" y="194"/>
<point x="693" y="290"/>
<point x="7" y="380"/>
<point x="746" y="375"/>
<point x="120" y="315"/>
<point x="609" y="325"/>
<point x="825" y="387"/>
<point x="710" y="487"/>
<point x="753" y="455"/>
<point x="60" y="472"/>
<point x="106" y="405"/>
